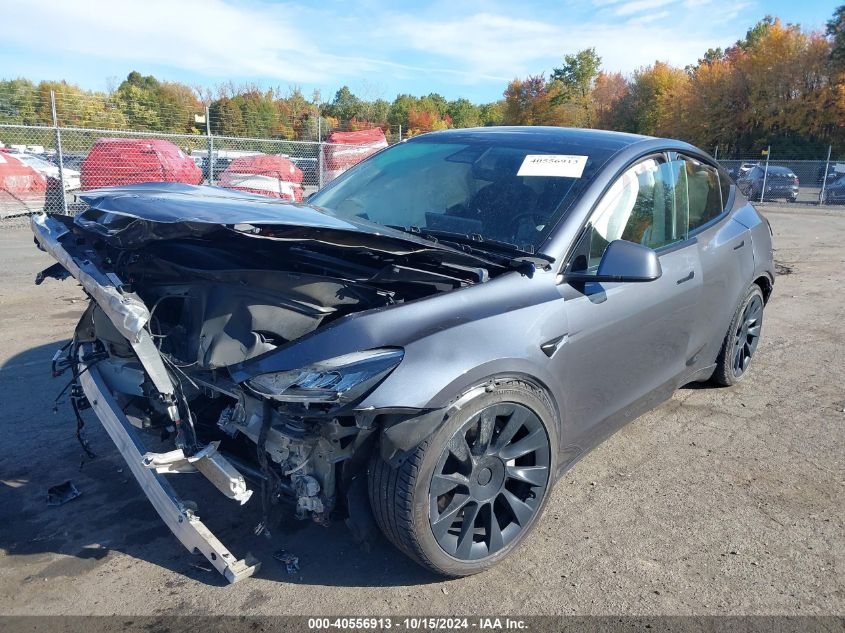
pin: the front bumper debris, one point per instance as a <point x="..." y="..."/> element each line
<point x="182" y="521"/>
<point x="129" y="315"/>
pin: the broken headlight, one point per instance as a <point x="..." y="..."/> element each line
<point x="337" y="380"/>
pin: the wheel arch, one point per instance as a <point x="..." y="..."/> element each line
<point x="400" y="434"/>
<point x="766" y="286"/>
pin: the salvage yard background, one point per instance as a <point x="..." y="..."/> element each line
<point x="722" y="501"/>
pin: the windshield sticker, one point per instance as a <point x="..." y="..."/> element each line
<point x="559" y="165"/>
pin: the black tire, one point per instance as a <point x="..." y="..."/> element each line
<point x="741" y="339"/>
<point x="402" y="497"/>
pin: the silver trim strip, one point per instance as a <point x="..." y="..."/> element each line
<point x="184" y="524"/>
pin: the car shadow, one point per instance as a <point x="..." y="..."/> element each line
<point x="38" y="449"/>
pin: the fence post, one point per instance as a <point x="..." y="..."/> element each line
<point x="716" y="153"/>
<point x="59" y="151"/>
<point x="765" y="173"/>
<point x="400" y="132"/>
<point x="320" y="165"/>
<point x="824" y="177"/>
<point x="319" y="128"/>
<point x="210" y="146"/>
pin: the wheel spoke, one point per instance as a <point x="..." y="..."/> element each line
<point x="495" y="542"/>
<point x="522" y="512"/>
<point x="528" y="444"/>
<point x="446" y="518"/>
<point x="515" y="422"/>
<point x="460" y="449"/>
<point x="534" y="475"/>
<point x="442" y="483"/>
<point x="754" y="330"/>
<point x="486" y="422"/>
<point x="465" y="539"/>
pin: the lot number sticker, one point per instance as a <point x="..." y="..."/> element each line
<point x="559" y="165"/>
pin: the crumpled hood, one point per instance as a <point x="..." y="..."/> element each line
<point x="172" y="203"/>
<point x="134" y="215"/>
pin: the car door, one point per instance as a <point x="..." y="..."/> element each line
<point x="628" y="343"/>
<point x="724" y="251"/>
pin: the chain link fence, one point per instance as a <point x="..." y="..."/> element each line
<point x="43" y="167"/>
<point x="807" y="179"/>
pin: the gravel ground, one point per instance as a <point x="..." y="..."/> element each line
<point x="722" y="501"/>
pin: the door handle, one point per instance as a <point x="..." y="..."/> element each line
<point x="740" y="245"/>
<point x="687" y="278"/>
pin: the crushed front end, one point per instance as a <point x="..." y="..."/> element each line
<point x="177" y="305"/>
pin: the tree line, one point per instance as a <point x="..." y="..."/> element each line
<point x="779" y="85"/>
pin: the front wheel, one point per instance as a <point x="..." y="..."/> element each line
<point x="470" y="493"/>
<point x="741" y="340"/>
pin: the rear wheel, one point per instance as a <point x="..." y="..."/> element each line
<point x="741" y="340"/>
<point x="471" y="492"/>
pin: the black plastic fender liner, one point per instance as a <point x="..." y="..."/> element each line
<point x="403" y="435"/>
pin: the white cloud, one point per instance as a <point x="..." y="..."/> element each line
<point x="650" y="17"/>
<point x="638" y="6"/>
<point x="210" y="37"/>
<point x="454" y="43"/>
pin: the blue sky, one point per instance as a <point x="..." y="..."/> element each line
<point x="378" y="47"/>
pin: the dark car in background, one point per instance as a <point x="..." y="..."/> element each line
<point x="432" y="341"/>
<point x="742" y="170"/>
<point x="834" y="192"/>
<point x="830" y="172"/>
<point x="72" y="160"/>
<point x="780" y="183"/>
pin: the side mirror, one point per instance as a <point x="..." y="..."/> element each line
<point x="623" y="262"/>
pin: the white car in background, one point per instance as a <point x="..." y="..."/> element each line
<point x="49" y="170"/>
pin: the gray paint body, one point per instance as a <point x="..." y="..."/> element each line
<point x="604" y="351"/>
<point x="624" y="347"/>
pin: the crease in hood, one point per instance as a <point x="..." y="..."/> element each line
<point x="132" y="216"/>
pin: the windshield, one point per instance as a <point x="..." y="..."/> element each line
<point x="512" y="192"/>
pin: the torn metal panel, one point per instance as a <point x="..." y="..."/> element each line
<point x="184" y="524"/>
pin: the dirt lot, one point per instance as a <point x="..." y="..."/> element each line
<point x="721" y="501"/>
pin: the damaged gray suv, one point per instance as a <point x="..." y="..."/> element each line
<point x="431" y="341"/>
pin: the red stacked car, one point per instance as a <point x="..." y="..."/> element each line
<point x="22" y="189"/>
<point x="127" y="161"/>
<point x="268" y="175"/>
<point x="345" y="149"/>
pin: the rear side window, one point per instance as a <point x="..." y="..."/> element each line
<point x="701" y="190"/>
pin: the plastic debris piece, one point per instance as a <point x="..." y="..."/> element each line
<point x="287" y="559"/>
<point x="62" y="493"/>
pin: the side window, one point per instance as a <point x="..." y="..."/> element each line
<point x="704" y="193"/>
<point x="641" y="206"/>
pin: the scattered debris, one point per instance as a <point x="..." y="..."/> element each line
<point x="201" y="567"/>
<point x="782" y="269"/>
<point x="61" y="494"/>
<point x="287" y="559"/>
